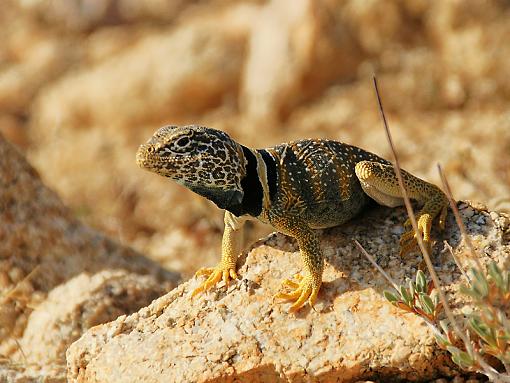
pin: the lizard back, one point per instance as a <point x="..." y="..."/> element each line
<point x="316" y="181"/>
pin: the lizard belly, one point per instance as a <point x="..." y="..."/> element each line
<point x="326" y="214"/>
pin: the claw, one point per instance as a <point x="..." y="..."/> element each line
<point x="407" y="247"/>
<point x="408" y="240"/>
<point x="204" y="271"/>
<point x="214" y="275"/>
<point x="306" y="290"/>
<point x="407" y="236"/>
<point x="291" y="283"/>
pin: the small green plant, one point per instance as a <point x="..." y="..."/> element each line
<point x="490" y="293"/>
<point x="417" y="298"/>
<point x="488" y="323"/>
<point x="486" y="332"/>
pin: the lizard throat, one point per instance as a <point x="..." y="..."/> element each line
<point x="258" y="185"/>
<point x="253" y="190"/>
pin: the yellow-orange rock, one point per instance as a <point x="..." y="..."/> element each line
<point x="240" y="334"/>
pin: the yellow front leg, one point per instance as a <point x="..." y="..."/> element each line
<point x="230" y="249"/>
<point x="307" y="286"/>
<point x="380" y="182"/>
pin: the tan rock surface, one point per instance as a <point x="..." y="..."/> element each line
<point x="57" y="276"/>
<point x="81" y="303"/>
<point x="239" y="334"/>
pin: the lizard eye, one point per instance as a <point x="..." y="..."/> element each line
<point x="182" y="142"/>
<point x="180" y="146"/>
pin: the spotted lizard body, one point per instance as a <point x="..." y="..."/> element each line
<point x="295" y="187"/>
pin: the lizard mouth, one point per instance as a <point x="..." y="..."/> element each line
<point x="142" y="159"/>
<point x="148" y="158"/>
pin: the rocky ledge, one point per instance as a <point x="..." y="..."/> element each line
<point x="58" y="277"/>
<point x="241" y="334"/>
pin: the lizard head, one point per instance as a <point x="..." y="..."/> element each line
<point x="205" y="160"/>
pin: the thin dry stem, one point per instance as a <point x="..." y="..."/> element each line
<point x="10" y="292"/>
<point x="495" y="375"/>
<point x="21" y="350"/>
<point x="372" y="260"/>
<point x="455" y="209"/>
<point x="457" y="261"/>
<point x="410" y="211"/>
<point x="488" y="370"/>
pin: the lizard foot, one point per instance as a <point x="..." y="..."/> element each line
<point x="306" y="289"/>
<point x="409" y="241"/>
<point x="214" y="275"/>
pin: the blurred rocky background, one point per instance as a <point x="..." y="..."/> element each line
<point x="84" y="82"/>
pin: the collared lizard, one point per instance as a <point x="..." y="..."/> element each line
<point x="295" y="187"/>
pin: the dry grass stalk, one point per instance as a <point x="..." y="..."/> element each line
<point x="458" y="219"/>
<point x="489" y="371"/>
<point x="373" y="262"/>
<point x="10" y="294"/>
<point x="457" y="261"/>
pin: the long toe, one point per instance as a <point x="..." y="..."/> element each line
<point x="214" y="277"/>
<point x="408" y="247"/>
<point x="204" y="271"/>
<point x="304" y="291"/>
<point x="292" y="296"/>
<point x="301" y="300"/>
<point x="290" y="283"/>
<point x="214" y="274"/>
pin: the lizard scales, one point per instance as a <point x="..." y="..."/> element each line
<point x="295" y="187"/>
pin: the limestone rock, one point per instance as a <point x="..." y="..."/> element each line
<point x="57" y="276"/>
<point x="239" y="334"/>
<point x="80" y="303"/>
